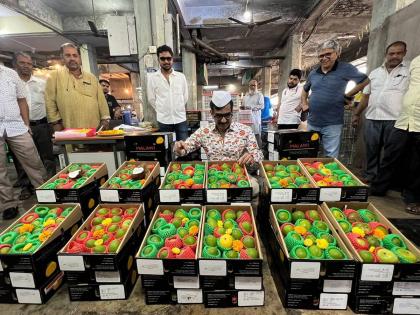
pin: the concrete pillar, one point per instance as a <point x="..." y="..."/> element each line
<point x="88" y="56"/>
<point x="150" y="32"/>
<point x="189" y="68"/>
<point x="266" y="81"/>
<point x="137" y="102"/>
<point x="293" y="60"/>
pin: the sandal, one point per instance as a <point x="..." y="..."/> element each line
<point x="413" y="208"/>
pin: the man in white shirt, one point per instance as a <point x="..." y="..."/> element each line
<point x="286" y="116"/>
<point x="254" y="100"/>
<point x="14" y="130"/>
<point x="41" y="130"/>
<point x="383" y="98"/>
<point x="167" y="93"/>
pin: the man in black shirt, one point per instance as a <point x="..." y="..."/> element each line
<point x="114" y="107"/>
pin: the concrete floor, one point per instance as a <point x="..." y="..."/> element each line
<point x="391" y="205"/>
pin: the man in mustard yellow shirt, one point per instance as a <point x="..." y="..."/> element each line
<point x="404" y="142"/>
<point x="74" y="98"/>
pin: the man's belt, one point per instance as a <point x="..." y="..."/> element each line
<point x="38" y="122"/>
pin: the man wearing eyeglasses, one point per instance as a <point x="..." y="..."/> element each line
<point x="254" y="101"/>
<point x="383" y="98"/>
<point x="167" y="93"/>
<point x="326" y="103"/>
<point x="223" y="140"/>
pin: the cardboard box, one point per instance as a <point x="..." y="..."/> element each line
<point x="108" y="291"/>
<point x="169" y="282"/>
<point x="87" y="194"/>
<point x="163" y="157"/>
<point x="154" y="142"/>
<point x="348" y="193"/>
<point x="285" y="195"/>
<point x="226" y="195"/>
<point x="231" y="282"/>
<point x="233" y="298"/>
<point x="33" y="270"/>
<point x="224" y="267"/>
<point x="384" y="304"/>
<point x="32" y="296"/>
<point x="377" y="279"/>
<point x="294" y="139"/>
<point x="178" y="267"/>
<point x="173" y="196"/>
<point x="122" y="258"/>
<point x="122" y="195"/>
<point x="307" y="275"/>
<point x="180" y="296"/>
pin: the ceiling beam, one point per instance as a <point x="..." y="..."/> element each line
<point x="182" y="28"/>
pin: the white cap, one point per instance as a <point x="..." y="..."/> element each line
<point x="221" y="98"/>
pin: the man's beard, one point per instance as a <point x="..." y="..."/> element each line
<point x="291" y="85"/>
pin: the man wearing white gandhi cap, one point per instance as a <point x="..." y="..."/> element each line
<point x="223" y="140"/>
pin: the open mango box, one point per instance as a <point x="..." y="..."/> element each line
<point x="335" y="181"/>
<point x="311" y="254"/>
<point x="285" y="182"/>
<point x="227" y="181"/>
<point x="78" y="183"/>
<point x="170" y="246"/>
<point x="184" y="182"/>
<point x="29" y="246"/>
<point x="105" y="241"/>
<point x="388" y="261"/>
<point x="230" y="242"/>
<point x="132" y="182"/>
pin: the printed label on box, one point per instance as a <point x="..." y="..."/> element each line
<point x="216" y="195"/>
<point x="181" y="282"/>
<point x="150" y="267"/>
<point x="28" y="296"/>
<point x="248" y="283"/>
<point x="1" y="266"/>
<point x="333" y="301"/>
<point x="111" y="291"/>
<point x="22" y="280"/>
<point x="271" y="147"/>
<point x="109" y="195"/>
<point x="212" y="267"/>
<point x="341" y="286"/>
<point x="281" y="195"/>
<point x="44" y="195"/>
<point x="406" y="306"/>
<point x="71" y="263"/>
<point x="169" y="195"/>
<point x="406" y="288"/>
<point x="107" y="276"/>
<point x="330" y="194"/>
<point x="377" y="272"/>
<point x="305" y="270"/>
<point x="250" y="298"/>
<point x="192" y="296"/>
<point x="270" y="137"/>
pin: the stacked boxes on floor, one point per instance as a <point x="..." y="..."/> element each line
<point x="317" y="276"/>
<point x="134" y="182"/>
<point x="29" y="270"/>
<point x="388" y="278"/>
<point x="179" y="262"/>
<point x="98" y="261"/>
<point x="290" y="144"/>
<point x="167" y="259"/>
<point x="157" y="146"/>
<point x="77" y="183"/>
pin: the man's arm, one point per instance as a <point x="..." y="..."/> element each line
<point x="51" y="107"/>
<point x="260" y="103"/>
<point x="304" y="106"/>
<point x="185" y="89"/>
<point x="151" y="96"/>
<point x="191" y="144"/>
<point x="359" y="110"/>
<point x="253" y="154"/>
<point x="24" y="110"/>
<point x="358" y="88"/>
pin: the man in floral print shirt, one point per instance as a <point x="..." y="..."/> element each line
<point x="224" y="139"/>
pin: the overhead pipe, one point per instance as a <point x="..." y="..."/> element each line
<point x="207" y="46"/>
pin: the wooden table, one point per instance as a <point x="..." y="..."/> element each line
<point x="111" y="140"/>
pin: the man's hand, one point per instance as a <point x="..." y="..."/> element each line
<point x="118" y="113"/>
<point x="275" y="118"/>
<point x="58" y="127"/>
<point x="180" y="148"/>
<point x="355" y="120"/>
<point x="105" y="124"/>
<point x="30" y="130"/>
<point x="247" y="158"/>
